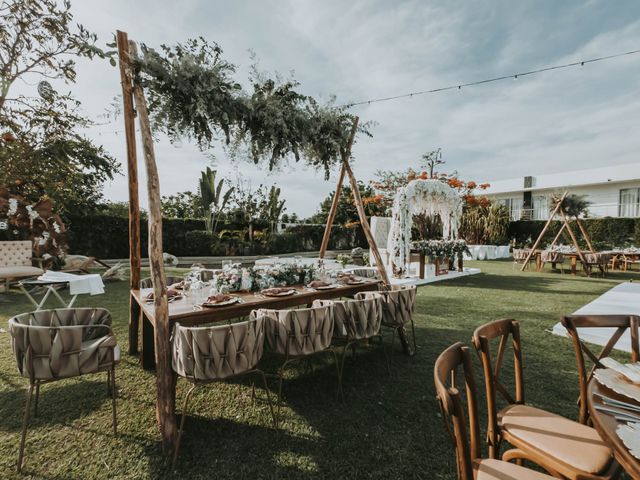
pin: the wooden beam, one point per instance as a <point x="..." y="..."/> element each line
<point x="332" y="212"/>
<point x="360" y="207"/>
<point x="562" y="227"/>
<point x="546" y="226"/>
<point x="132" y="172"/>
<point x="586" y="266"/>
<point x="585" y="235"/>
<point x="165" y="406"/>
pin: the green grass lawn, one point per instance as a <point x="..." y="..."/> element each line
<point x="389" y="426"/>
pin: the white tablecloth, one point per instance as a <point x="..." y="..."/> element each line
<point x="78" y="284"/>
<point x="623" y="299"/>
<point x="487" y="252"/>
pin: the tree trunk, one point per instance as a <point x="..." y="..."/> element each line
<point x="165" y="406"/>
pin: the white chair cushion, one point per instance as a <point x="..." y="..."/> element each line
<point x="16" y="253"/>
<point x="19" y="272"/>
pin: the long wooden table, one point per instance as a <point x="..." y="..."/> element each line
<point x="182" y="311"/>
<point x="606" y="426"/>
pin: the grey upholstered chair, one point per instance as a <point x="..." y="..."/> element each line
<point x="211" y="354"/>
<point x="398" y="307"/>
<point x="520" y="256"/>
<point x="356" y="320"/>
<point x="600" y="260"/>
<point x="51" y="345"/>
<point x="298" y="334"/>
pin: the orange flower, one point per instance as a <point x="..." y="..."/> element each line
<point x="484" y="186"/>
<point x="471" y="185"/>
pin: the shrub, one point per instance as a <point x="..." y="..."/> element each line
<point x="198" y="242"/>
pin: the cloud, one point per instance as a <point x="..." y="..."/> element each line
<point x="358" y="50"/>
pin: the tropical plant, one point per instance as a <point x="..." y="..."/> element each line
<point x="181" y="205"/>
<point x="274" y="208"/>
<point x="346" y="212"/>
<point x="212" y="199"/>
<point x="485" y="224"/>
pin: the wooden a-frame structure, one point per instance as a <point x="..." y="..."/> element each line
<point x="165" y="379"/>
<point x="559" y="210"/>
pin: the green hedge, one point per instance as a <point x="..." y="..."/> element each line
<point x="104" y="236"/>
<point x="604" y="232"/>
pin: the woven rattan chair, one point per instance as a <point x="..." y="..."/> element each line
<point x="398" y="307"/>
<point x="147" y="283"/>
<point x="618" y="324"/>
<point x="554" y="258"/>
<point x="455" y="362"/>
<point x="52" y="345"/>
<point x="356" y="321"/>
<point x="297" y="335"/>
<point x="564" y="448"/>
<point x="204" y="355"/>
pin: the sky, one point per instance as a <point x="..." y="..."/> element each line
<point x="564" y="120"/>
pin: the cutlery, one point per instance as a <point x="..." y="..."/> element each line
<point x="618" y="413"/>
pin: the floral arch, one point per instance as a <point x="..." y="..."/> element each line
<point x="431" y="197"/>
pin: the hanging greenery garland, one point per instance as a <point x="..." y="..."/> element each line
<point x="192" y="94"/>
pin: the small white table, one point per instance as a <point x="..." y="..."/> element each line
<point x="623" y="299"/>
<point x="50" y="287"/>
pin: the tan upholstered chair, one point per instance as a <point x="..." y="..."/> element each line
<point x="600" y="260"/>
<point x="455" y="362"/>
<point x="171" y="279"/>
<point x="398" y="307"/>
<point x="552" y="257"/>
<point x="298" y="334"/>
<point x="564" y="448"/>
<point x="356" y="320"/>
<point x="16" y="261"/>
<point x="212" y="354"/>
<point x="520" y="256"/>
<point x="51" y="345"/>
<point x="619" y="324"/>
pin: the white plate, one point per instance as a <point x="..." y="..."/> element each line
<point x="630" y="436"/>
<point x="618" y="383"/>
<point x="326" y="287"/>
<point x="231" y="301"/>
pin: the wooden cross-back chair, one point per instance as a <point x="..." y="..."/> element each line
<point x="563" y="447"/>
<point x="466" y="437"/>
<point x="619" y="324"/>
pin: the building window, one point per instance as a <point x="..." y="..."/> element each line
<point x="629" y="202"/>
<point x="540" y="208"/>
<point x="514" y="205"/>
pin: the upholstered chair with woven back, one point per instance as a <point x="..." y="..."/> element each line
<point x="398" y="308"/>
<point x="356" y="320"/>
<point x="299" y="334"/>
<point x="455" y="382"/>
<point x="171" y="280"/>
<point x="552" y="257"/>
<point x="204" y="355"/>
<point x="563" y="447"/>
<point x="51" y="345"/>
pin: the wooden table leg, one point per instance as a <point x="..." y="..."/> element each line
<point x="148" y="352"/>
<point x="538" y="262"/>
<point x="134" y="325"/>
<point x="421" y="272"/>
<point x="574" y="265"/>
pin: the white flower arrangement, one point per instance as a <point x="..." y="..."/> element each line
<point x="13" y="206"/>
<point x="431" y="197"/>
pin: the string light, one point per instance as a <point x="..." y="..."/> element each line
<point x="491" y="80"/>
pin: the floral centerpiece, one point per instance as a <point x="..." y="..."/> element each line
<point x="233" y="278"/>
<point x="441" y="249"/>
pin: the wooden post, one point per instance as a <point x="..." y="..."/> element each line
<point x="132" y="172"/>
<point x="165" y="406"/>
<point x="360" y="207"/>
<point x="539" y="239"/>
<point x="585" y="235"/>
<point x="586" y="266"/>
<point x="334" y="208"/>
<point x="558" y="235"/>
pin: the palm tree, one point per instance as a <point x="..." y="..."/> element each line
<point x="213" y="201"/>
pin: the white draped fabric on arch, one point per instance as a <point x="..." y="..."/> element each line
<point x="431" y="197"/>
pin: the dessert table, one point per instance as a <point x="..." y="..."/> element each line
<point x="183" y="311"/>
<point x="606" y="426"/>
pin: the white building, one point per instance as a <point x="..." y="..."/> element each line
<point x="614" y="191"/>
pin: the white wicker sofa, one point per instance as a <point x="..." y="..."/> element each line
<point x="16" y="261"/>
